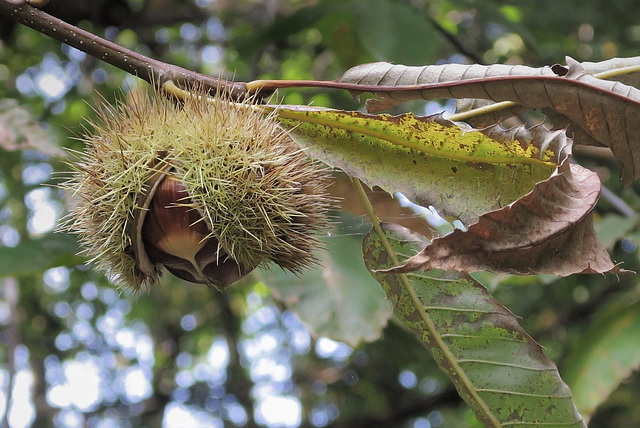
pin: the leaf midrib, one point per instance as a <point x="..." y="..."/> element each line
<point x="438" y="339"/>
<point x="306" y="116"/>
<point x="460" y="374"/>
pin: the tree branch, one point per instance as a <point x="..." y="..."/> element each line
<point x="238" y="383"/>
<point x="153" y="71"/>
<point x="455" y="42"/>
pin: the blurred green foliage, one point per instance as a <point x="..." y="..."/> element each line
<point x="210" y="359"/>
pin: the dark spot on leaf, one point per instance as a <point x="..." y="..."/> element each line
<point x="454" y="169"/>
<point x="560" y="70"/>
<point x="480" y="166"/>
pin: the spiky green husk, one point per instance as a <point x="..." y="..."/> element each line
<point x="259" y="194"/>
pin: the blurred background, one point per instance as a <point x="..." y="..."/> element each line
<point x="274" y="350"/>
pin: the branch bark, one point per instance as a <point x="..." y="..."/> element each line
<point x="238" y="383"/>
<point x="153" y="71"/>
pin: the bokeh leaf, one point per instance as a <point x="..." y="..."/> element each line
<point x="499" y="370"/>
<point x="36" y="255"/>
<point x="337" y="299"/>
<point x="463" y="173"/>
<point x="284" y="26"/>
<point x="607" y="353"/>
<point x="550" y="230"/>
<point x="20" y="131"/>
<point x="389" y="30"/>
<point x="613" y="227"/>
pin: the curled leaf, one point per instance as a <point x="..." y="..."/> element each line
<point x="498" y="82"/>
<point x="479" y="112"/>
<point x="624" y="70"/>
<point x="549" y="230"/>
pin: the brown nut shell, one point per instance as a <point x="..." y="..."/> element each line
<point x="176" y="236"/>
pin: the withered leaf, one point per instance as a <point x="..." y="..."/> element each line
<point x="550" y="230"/>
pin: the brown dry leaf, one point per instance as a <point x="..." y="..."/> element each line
<point x="624" y="70"/>
<point x="606" y="110"/>
<point x="550" y="230"/>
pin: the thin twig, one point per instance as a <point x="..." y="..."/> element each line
<point x="478" y="111"/>
<point x="617" y="202"/>
<point x="455" y="42"/>
<point x="375" y="221"/>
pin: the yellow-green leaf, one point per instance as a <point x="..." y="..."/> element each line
<point x="462" y="172"/>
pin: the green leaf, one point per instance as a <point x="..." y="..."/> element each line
<point x="612" y="227"/>
<point x="394" y="31"/>
<point x="499" y="370"/>
<point x="338" y="299"/>
<point x="37" y="255"/>
<point x="606" y="355"/>
<point x="463" y="173"/>
<point x="285" y="26"/>
<point x="339" y="33"/>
